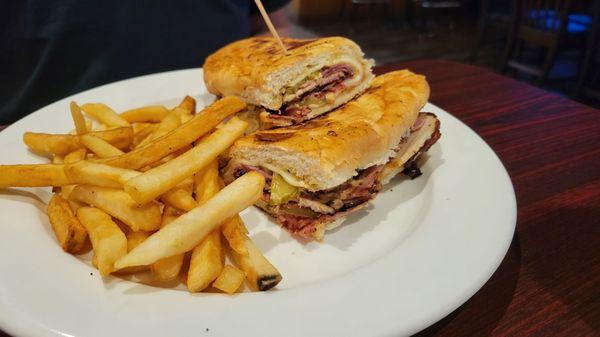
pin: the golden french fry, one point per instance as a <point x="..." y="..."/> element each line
<point x="54" y="144"/>
<point x="235" y="233"/>
<point x="206" y="262"/>
<point x="99" y="146"/>
<point x="207" y="182"/>
<point x="180" y="198"/>
<point x="133" y="240"/>
<point x="260" y="273"/>
<point x="120" y="205"/>
<point x="207" y="258"/>
<point x="141" y="131"/>
<point x="152" y="114"/>
<point x="189" y="104"/>
<point x="168" y="269"/>
<point x="168" y="158"/>
<point x="158" y="180"/>
<point x="57" y="159"/>
<point x="230" y="279"/>
<point x="69" y="232"/>
<point x="90" y="173"/>
<point x="168" y="124"/>
<point x="78" y="120"/>
<point x="73" y="157"/>
<point x="185" y="117"/>
<point x="191" y="228"/>
<point x="108" y="240"/>
<point x="75" y="205"/>
<point x="33" y="175"/>
<point x="201" y="124"/>
<point x="104" y="114"/>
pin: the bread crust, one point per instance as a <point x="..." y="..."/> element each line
<point x="256" y="69"/>
<point x="327" y="151"/>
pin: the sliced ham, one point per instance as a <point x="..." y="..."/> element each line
<point x="315" y="206"/>
<point x="331" y="80"/>
<point x="334" y="74"/>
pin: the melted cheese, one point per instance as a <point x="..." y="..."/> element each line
<point x="287" y="176"/>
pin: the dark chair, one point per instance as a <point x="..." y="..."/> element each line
<point x="492" y="15"/>
<point x="541" y="23"/>
<point x="434" y="9"/>
<point x="350" y="8"/>
<point x="588" y="82"/>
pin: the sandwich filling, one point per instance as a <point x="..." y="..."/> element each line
<point x="301" y="211"/>
<point x="316" y="90"/>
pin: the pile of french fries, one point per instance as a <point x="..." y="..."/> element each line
<point x="143" y="187"/>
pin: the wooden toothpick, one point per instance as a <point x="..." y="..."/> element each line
<point x="265" y="16"/>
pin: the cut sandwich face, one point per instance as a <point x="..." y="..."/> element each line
<point x="314" y="78"/>
<point x="319" y="172"/>
<point x="309" y="213"/>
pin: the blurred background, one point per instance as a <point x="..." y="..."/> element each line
<point x="52" y="49"/>
<point x="548" y="43"/>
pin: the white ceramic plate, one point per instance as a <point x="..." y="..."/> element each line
<point x="420" y="250"/>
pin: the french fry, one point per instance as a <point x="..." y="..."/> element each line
<point x="78" y="119"/>
<point x="168" y="158"/>
<point x="99" y="146"/>
<point x="189" y="104"/>
<point x="201" y="124"/>
<point x="104" y="114"/>
<point x="119" y="204"/>
<point x="168" y="269"/>
<point x="168" y="124"/>
<point x="57" y="159"/>
<point x="260" y="273"/>
<point x="207" y="182"/>
<point x="207" y="258"/>
<point x="191" y="228"/>
<point x="33" y="175"/>
<point x="69" y="232"/>
<point x="179" y="198"/>
<point x="54" y="144"/>
<point x="133" y="240"/>
<point x="185" y="117"/>
<point x="230" y="279"/>
<point x="206" y="262"/>
<point x="73" y="157"/>
<point x="147" y="114"/>
<point x="174" y="119"/>
<point x="90" y="173"/>
<point x="141" y="131"/>
<point x="158" y="180"/>
<point x="235" y="233"/>
<point x="108" y="240"/>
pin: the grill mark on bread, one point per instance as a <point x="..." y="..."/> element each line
<point x="291" y="45"/>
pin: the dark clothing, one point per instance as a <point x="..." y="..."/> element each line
<point x="52" y="49"/>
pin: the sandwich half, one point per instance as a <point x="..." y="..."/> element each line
<point x="315" y="77"/>
<point x="321" y="171"/>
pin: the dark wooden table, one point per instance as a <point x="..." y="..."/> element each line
<point x="549" y="282"/>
